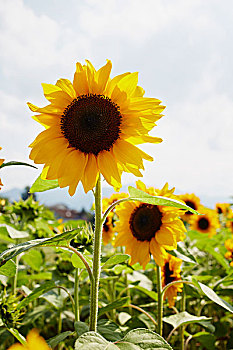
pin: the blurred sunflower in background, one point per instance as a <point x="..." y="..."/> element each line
<point x="192" y="201"/>
<point x="207" y="223"/>
<point x="170" y="272"/>
<point x="229" y="221"/>
<point x="1" y="162"/>
<point x="229" y="254"/>
<point x="222" y="208"/>
<point x="92" y="126"/>
<point x="34" y="342"/>
<point x="108" y="230"/>
<point x="106" y="202"/>
<point x="146" y="229"/>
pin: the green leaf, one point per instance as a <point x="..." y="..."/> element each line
<point x="183" y="318"/>
<point x="34" y="259"/>
<point x="58" y="240"/>
<point x="141" y="196"/>
<point x="116" y="259"/>
<point x="16" y="163"/>
<point x="92" y="340"/>
<point x="36" y="294"/>
<point x="9" y="269"/>
<point x="143" y="339"/>
<point x="184" y="254"/>
<point x="41" y="185"/>
<point x="153" y="295"/>
<point x="206" y="339"/>
<point x="77" y="262"/>
<point x="115" y="305"/>
<point x="109" y="330"/>
<point x="58" y="338"/>
<point x="214" y="297"/>
<point x="80" y="327"/>
<point x="17" y="335"/>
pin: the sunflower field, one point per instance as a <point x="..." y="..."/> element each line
<point x="149" y="269"/>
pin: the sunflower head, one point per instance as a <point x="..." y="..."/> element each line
<point x="108" y="230"/>
<point x="170" y="272"/>
<point x="146" y="229"/>
<point x="222" y="208"/>
<point x="207" y="223"/>
<point x="229" y="254"/>
<point x="229" y="222"/>
<point x="192" y="201"/>
<point x="93" y="126"/>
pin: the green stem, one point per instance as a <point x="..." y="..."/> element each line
<point x="143" y="311"/>
<point x="182" y="328"/>
<point x="76" y="295"/>
<point x="15" y="278"/>
<point x="96" y="256"/>
<point x="160" y="301"/>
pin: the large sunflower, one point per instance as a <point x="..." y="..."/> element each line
<point x="170" y="272"/>
<point x="192" y="201"/>
<point x="92" y="126"/>
<point x="206" y="223"/>
<point x="146" y="229"/>
<point x="1" y="161"/>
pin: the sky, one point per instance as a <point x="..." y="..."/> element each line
<point x="183" y="52"/>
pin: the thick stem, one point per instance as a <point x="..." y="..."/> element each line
<point x="160" y="301"/>
<point x="76" y="295"/>
<point x="15" y="278"/>
<point x="96" y="256"/>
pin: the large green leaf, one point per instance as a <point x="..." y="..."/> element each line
<point x="141" y="196"/>
<point x="58" y="240"/>
<point x="116" y="259"/>
<point x="214" y="297"/>
<point x="41" y="185"/>
<point x="34" y="259"/>
<point x="12" y="232"/>
<point x="183" y="318"/>
<point x="9" y="269"/>
<point x="137" y="339"/>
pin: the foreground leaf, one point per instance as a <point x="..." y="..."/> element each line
<point x="58" y="338"/>
<point x="116" y="259"/>
<point x="58" y="240"/>
<point x="41" y="185"/>
<point x="183" y="318"/>
<point x="141" y="196"/>
<point x="214" y="297"/>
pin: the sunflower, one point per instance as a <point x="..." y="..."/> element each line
<point x="206" y="223"/>
<point x="229" y="222"/>
<point x="170" y="272"/>
<point x="229" y="253"/>
<point x="222" y="208"/>
<point x="92" y="126"/>
<point x="192" y="201"/>
<point x="146" y="229"/>
<point x="106" y="202"/>
<point x="1" y="161"/>
<point x="34" y="342"/>
<point x="108" y="230"/>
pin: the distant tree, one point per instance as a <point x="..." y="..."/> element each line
<point x="25" y="194"/>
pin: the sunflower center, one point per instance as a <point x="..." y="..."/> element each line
<point x="91" y="123"/>
<point x="167" y="274"/>
<point x="145" y="221"/>
<point x="203" y="224"/>
<point x="106" y="225"/>
<point x="219" y="210"/>
<point x="191" y="205"/>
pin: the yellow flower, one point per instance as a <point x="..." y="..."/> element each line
<point x="229" y="253"/>
<point x="106" y="202"/>
<point x="222" y="208"/>
<point x="229" y="222"/>
<point x="34" y="342"/>
<point x="206" y="223"/>
<point x="146" y="229"/>
<point x="1" y="161"/>
<point x="170" y="272"/>
<point x="192" y="201"/>
<point x="92" y="126"/>
<point x="108" y="231"/>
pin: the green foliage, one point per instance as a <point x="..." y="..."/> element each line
<point x="41" y="185"/>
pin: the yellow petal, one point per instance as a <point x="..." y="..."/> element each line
<point x="166" y="236"/>
<point x="90" y="173"/>
<point x="67" y="87"/>
<point x="108" y="167"/>
<point x="102" y="76"/>
<point x="158" y="252"/>
<point x="129" y="83"/>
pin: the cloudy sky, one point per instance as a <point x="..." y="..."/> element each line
<point x="182" y="50"/>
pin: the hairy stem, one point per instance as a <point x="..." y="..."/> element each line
<point x="160" y="301"/>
